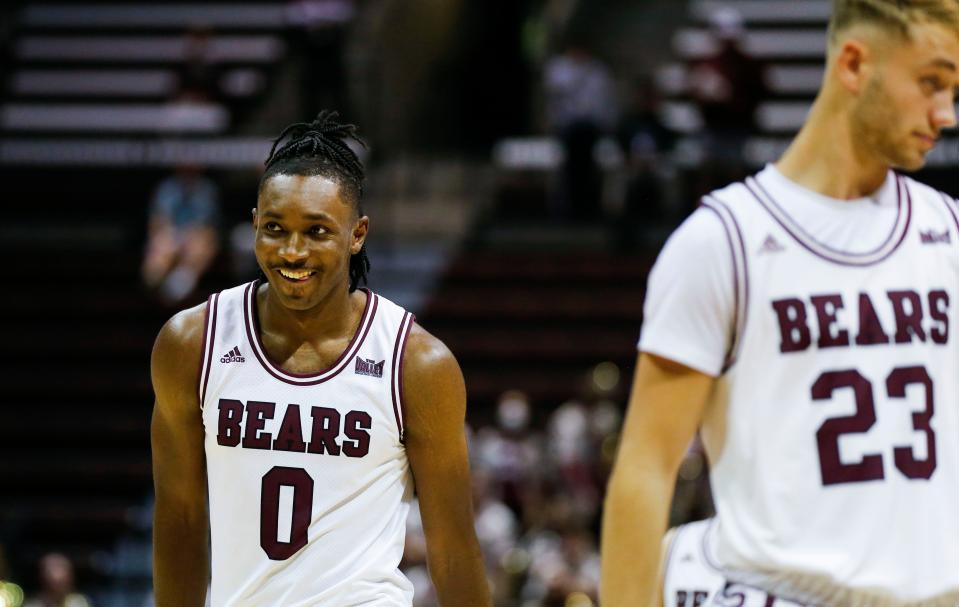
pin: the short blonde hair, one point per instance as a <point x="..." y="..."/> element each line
<point x="893" y="15"/>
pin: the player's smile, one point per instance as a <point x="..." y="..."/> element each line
<point x="928" y="141"/>
<point x="295" y="276"/>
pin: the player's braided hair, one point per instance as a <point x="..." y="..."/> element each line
<point x="320" y="148"/>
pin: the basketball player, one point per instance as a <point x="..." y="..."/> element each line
<point x="806" y="319"/>
<point x="305" y="408"/>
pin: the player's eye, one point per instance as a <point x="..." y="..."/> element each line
<point x="272" y="227"/>
<point x="931" y="84"/>
<point x="318" y="230"/>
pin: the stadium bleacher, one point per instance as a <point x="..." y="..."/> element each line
<point x="90" y="120"/>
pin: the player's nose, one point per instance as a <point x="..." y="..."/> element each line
<point x="944" y="113"/>
<point x="293" y="248"/>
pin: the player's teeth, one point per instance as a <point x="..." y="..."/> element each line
<point x="295" y="275"/>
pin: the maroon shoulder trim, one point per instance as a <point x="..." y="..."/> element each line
<point x="399" y="349"/>
<point x="740" y="284"/>
<point x="209" y="338"/>
<point x="950" y="205"/>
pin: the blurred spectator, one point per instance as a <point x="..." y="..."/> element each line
<point x="510" y="453"/>
<point x="573" y="454"/>
<point x="319" y="32"/>
<point x="728" y="87"/>
<point x="56" y="584"/>
<point x="537" y="498"/>
<point x="646" y="142"/>
<point x="183" y="237"/>
<point x="564" y="568"/>
<point x="199" y="73"/>
<point x="580" y="107"/>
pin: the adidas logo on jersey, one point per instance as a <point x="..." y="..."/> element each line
<point x="233" y="356"/>
<point x="931" y="237"/>
<point x="771" y="245"/>
<point x="369" y="367"/>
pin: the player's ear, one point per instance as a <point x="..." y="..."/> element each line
<point x="853" y="64"/>
<point x="360" y="229"/>
<point x="256" y="219"/>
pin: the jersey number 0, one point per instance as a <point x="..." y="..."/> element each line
<point x="302" y="485"/>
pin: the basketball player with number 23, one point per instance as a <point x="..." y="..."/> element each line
<point x="308" y="410"/>
<point x="805" y="322"/>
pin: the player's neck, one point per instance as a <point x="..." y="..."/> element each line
<point x="331" y="318"/>
<point x="824" y="158"/>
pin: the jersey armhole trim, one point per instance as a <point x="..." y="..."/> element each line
<point x="737" y="249"/>
<point x="209" y="338"/>
<point x="396" y="383"/>
<point x="951" y="206"/>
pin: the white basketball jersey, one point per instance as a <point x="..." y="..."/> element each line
<point x="833" y="432"/>
<point x="309" y="484"/>
<point x="689" y="579"/>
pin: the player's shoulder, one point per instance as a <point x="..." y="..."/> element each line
<point x="185" y="327"/>
<point x="923" y="193"/>
<point x="716" y="212"/>
<point x="426" y="355"/>
<point x="704" y="231"/>
<point x="179" y="343"/>
<point x="734" y="195"/>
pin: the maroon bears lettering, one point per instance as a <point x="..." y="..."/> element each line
<point x="257" y="413"/>
<point x="358" y="424"/>
<point x="907" y="323"/>
<point x="228" y="425"/>
<point x="870" y="329"/>
<point x="938" y="308"/>
<point x="290" y="435"/>
<point x="326" y="427"/>
<point x="792" y="325"/>
<point x="797" y="332"/>
<point x="827" y="306"/>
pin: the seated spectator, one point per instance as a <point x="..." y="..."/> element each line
<point x="646" y="143"/>
<point x="199" y="75"/>
<point x="728" y="86"/>
<point x="182" y="233"/>
<point x="56" y="584"/>
<point x="581" y="107"/>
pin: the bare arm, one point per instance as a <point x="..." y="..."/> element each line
<point x="180" y="521"/>
<point x="434" y="398"/>
<point x="666" y="405"/>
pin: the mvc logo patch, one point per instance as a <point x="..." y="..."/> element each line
<point x="933" y="237"/>
<point x="366" y="366"/>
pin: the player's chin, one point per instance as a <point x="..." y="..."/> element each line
<point x="296" y="297"/>
<point x="294" y="291"/>
<point x="912" y="162"/>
